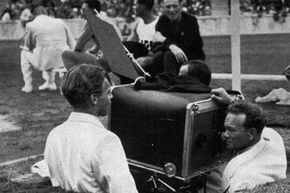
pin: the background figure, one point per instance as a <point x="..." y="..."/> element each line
<point x="183" y="41"/>
<point x="94" y="54"/>
<point x="45" y="40"/>
<point x="144" y="30"/>
<point x="82" y="155"/>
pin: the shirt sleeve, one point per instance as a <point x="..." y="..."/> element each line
<point x="110" y="167"/>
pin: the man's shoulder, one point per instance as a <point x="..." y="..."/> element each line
<point x="30" y="24"/>
<point x="188" y="16"/>
<point x="163" y="18"/>
<point x="54" y="132"/>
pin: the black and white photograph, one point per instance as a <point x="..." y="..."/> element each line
<point x="144" y="96"/>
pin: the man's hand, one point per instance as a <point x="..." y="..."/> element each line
<point x="178" y="53"/>
<point x="220" y="95"/>
<point x="158" y="37"/>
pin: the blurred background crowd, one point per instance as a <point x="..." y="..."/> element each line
<point x="69" y="9"/>
<point x="277" y="8"/>
<point x="123" y="9"/>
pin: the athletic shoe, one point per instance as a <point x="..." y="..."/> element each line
<point x="27" y="89"/>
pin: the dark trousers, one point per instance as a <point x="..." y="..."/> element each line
<point x="171" y="66"/>
<point x="164" y="62"/>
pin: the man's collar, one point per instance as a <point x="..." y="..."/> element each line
<point x="85" y="117"/>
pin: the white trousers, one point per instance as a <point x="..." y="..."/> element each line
<point x="28" y="62"/>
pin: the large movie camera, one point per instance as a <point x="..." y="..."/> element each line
<point x="171" y="139"/>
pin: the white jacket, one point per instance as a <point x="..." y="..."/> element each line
<point x="48" y="37"/>
<point x="262" y="163"/>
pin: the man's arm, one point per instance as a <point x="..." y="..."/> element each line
<point x="220" y="95"/>
<point x="110" y="167"/>
<point x="134" y="36"/>
<point x="84" y="38"/>
<point x="70" y="38"/>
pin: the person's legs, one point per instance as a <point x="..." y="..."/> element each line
<point x="49" y="84"/>
<point x="137" y="49"/>
<point x="26" y="61"/>
<point x="170" y="64"/>
<point x="153" y="64"/>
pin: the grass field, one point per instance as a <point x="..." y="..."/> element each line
<point x="37" y="113"/>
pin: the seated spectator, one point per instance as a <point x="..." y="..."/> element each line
<point x="82" y="155"/>
<point x="260" y="152"/>
<point x="182" y="40"/>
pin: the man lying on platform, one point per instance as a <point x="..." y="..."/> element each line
<point x="194" y="77"/>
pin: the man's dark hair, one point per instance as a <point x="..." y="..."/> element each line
<point x="255" y="117"/>
<point x="200" y="70"/>
<point x="39" y="10"/>
<point x="80" y="82"/>
<point x="148" y="3"/>
<point x="94" y="4"/>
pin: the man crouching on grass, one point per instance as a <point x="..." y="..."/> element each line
<point x="81" y="154"/>
<point x="260" y="152"/>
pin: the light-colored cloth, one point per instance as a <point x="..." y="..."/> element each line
<point x="47" y="37"/>
<point x="146" y="32"/>
<point x="264" y="162"/>
<point x="280" y="96"/>
<point x="85" y="157"/>
<point x="40" y="168"/>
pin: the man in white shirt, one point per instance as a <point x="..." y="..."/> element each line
<point x="45" y="40"/>
<point x="260" y="152"/>
<point x="81" y="154"/>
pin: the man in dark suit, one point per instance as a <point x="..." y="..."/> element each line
<point x="182" y="37"/>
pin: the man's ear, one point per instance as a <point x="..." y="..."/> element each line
<point x="93" y="99"/>
<point x="252" y="133"/>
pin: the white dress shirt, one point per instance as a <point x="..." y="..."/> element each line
<point x="264" y="162"/>
<point x="83" y="156"/>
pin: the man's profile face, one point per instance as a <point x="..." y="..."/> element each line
<point x="236" y="135"/>
<point x="104" y="100"/>
<point x="172" y="9"/>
